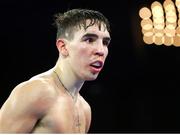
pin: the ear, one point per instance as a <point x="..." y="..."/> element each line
<point x="62" y="46"/>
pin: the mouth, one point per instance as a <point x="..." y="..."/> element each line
<point x="96" y="66"/>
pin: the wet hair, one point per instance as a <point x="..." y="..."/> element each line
<point x="68" y="21"/>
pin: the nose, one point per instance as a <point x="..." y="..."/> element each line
<point x="100" y="50"/>
<point x="100" y="53"/>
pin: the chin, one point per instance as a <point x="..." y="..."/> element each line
<point x="91" y="77"/>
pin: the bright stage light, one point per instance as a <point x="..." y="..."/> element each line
<point x="161" y="24"/>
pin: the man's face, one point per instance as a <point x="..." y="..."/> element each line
<point x="88" y="51"/>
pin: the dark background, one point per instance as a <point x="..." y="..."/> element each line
<point x="138" y="90"/>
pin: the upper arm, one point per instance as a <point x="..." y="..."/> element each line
<point x="21" y="110"/>
<point x="16" y="116"/>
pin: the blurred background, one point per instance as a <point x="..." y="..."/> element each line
<point x="138" y="89"/>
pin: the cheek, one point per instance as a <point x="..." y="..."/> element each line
<point x="81" y="56"/>
<point x="83" y="52"/>
<point x="76" y="50"/>
<point x="106" y="52"/>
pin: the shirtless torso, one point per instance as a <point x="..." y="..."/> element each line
<point x="44" y="107"/>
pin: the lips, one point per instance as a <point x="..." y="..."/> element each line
<point x="96" y="66"/>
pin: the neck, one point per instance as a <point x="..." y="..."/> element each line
<point x="68" y="79"/>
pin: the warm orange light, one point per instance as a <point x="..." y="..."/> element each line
<point x="171" y="19"/>
<point x="145" y="13"/>
<point x="149" y="30"/>
<point x="158" y="30"/>
<point x="161" y="26"/>
<point x="158" y="26"/>
<point x="171" y="25"/>
<point x="177" y="41"/>
<point x="157" y="9"/>
<point x="146" y="24"/>
<point x="169" y="32"/>
<point x="159" y="20"/>
<point x="155" y="4"/>
<point x="168" y="41"/>
<point x="178" y="3"/>
<point x="168" y="5"/>
<point x="179" y="22"/>
<point x="148" y="38"/>
<point x="178" y="31"/>
<point x="158" y="39"/>
<point x="171" y="13"/>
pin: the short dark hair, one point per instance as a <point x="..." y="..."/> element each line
<point x="66" y="22"/>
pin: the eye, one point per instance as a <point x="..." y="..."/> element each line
<point x="106" y="42"/>
<point x="89" y="40"/>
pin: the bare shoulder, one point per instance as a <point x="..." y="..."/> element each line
<point x="85" y="104"/>
<point x="28" y="102"/>
<point x="36" y="93"/>
<point x="34" y="88"/>
<point x="87" y="112"/>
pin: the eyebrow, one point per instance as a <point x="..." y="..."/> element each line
<point x="95" y="36"/>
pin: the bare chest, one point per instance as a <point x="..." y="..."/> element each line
<point x="64" y="116"/>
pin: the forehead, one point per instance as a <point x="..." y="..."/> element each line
<point x="103" y="32"/>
